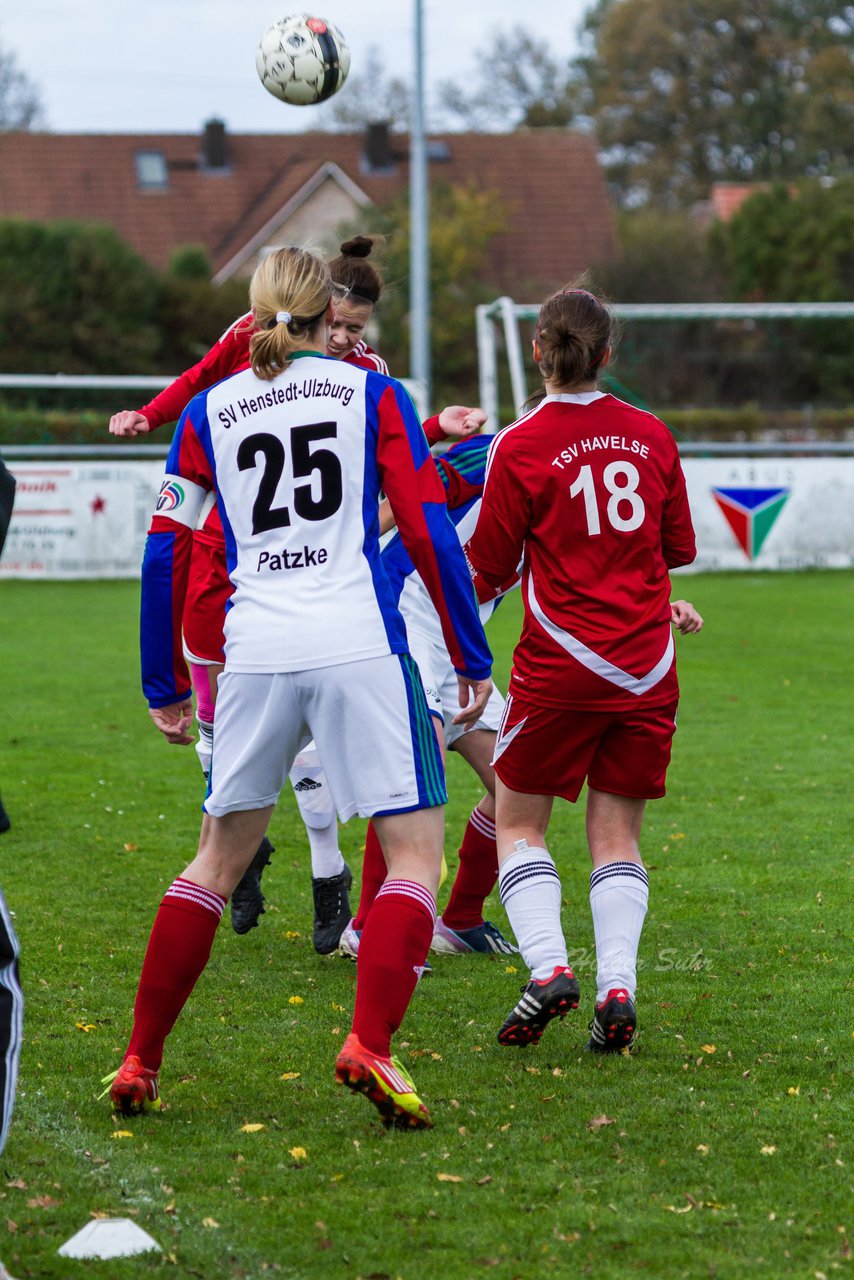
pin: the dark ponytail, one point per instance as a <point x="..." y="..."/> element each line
<point x="574" y="331"/>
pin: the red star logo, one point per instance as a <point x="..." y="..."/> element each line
<point x="98" y="505"/>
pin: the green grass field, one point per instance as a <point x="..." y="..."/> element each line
<point x="719" y="1150"/>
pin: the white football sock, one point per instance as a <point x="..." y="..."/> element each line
<point x="204" y="745"/>
<point x="619" y="894"/>
<point x="317" y="811"/>
<point x="530" y="891"/>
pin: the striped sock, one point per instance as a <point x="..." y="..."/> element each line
<point x="530" y="893"/>
<point x="619" y="894"/>
<point x="178" y="950"/>
<point x="392" y="951"/>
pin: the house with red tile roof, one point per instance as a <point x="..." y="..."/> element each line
<point x="240" y="194"/>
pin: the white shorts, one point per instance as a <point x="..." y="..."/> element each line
<point x="370" y="723"/>
<point x="442" y="691"/>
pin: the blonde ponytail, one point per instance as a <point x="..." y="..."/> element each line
<point x="289" y="293"/>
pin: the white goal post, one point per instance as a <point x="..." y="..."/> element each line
<point x="503" y="316"/>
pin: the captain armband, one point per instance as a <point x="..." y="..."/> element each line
<point x="180" y="500"/>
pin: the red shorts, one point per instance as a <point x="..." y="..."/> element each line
<point x="208" y="589"/>
<point x="556" y="748"/>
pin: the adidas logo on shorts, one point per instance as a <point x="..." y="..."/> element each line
<point x="307" y="784"/>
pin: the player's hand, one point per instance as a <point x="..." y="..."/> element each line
<point x="458" y="421"/>
<point x="474" y="695"/>
<point x="685" y="617"/>
<point x="174" y="722"/>
<point x="129" y="423"/>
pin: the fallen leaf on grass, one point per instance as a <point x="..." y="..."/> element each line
<point x="484" y="1181"/>
<point x="510" y="968"/>
<point x="86" y="1026"/>
<point x="448" y="1177"/>
<point x="290" y="1075"/>
<point x="295" y="1000"/>
<point x="298" y="1153"/>
<point x="130" y="848"/>
<point x="252" y="1128"/>
<point x="11" y="1225"/>
<point x="121" y="1133"/>
<point x="599" y="1122"/>
<point x="702" y="1148"/>
<point x="671" y="1208"/>
<point x="42" y="1202"/>
<point x="767" y="1151"/>
<point x="794" y="1090"/>
<point x="18" y="1183"/>
<point x="210" y="1222"/>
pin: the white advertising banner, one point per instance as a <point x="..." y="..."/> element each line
<point x="89" y="520"/>
<point x="79" y="519"/>
<point x="772" y="513"/>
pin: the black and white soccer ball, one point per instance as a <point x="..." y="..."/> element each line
<point x="302" y="59"/>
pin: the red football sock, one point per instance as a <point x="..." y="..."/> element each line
<point x="178" y="950"/>
<point x="392" y="951"/>
<point x="374" y="872"/>
<point x="476" y="876"/>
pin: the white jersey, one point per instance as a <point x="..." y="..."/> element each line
<point x="298" y="464"/>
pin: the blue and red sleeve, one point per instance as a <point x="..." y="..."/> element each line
<point x="166" y="566"/>
<point x="417" y="496"/>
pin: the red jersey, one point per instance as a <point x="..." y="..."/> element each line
<point x="590" y="492"/>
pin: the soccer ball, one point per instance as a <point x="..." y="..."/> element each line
<point x="302" y="59"/>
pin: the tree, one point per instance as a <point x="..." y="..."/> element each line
<point x="518" y="82"/>
<point x="662" y="257"/>
<point x="191" y="311"/>
<point x="19" y="102"/>
<point x="74" y="299"/>
<point x="684" y="93"/>
<point x="790" y="244"/>
<point x="463" y="221"/>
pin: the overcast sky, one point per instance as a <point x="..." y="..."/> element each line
<point x="168" y="65"/>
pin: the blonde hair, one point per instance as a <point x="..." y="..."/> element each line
<point x="574" y="330"/>
<point x="289" y="293"/>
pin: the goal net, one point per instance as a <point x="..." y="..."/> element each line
<point x="726" y="371"/>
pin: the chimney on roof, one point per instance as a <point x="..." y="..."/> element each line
<point x="214" y="146"/>
<point x="378" y="156"/>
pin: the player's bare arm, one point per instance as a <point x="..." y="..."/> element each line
<point x="174" y="722"/>
<point x="685" y="617"/>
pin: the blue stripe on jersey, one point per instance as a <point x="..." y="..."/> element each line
<point x="425" y="747"/>
<point x="156" y="629"/>
<point x="468" y="457"/>
<point x="395" y="628"/>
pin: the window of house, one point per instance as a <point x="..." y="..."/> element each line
<point x="151" y="169"/>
